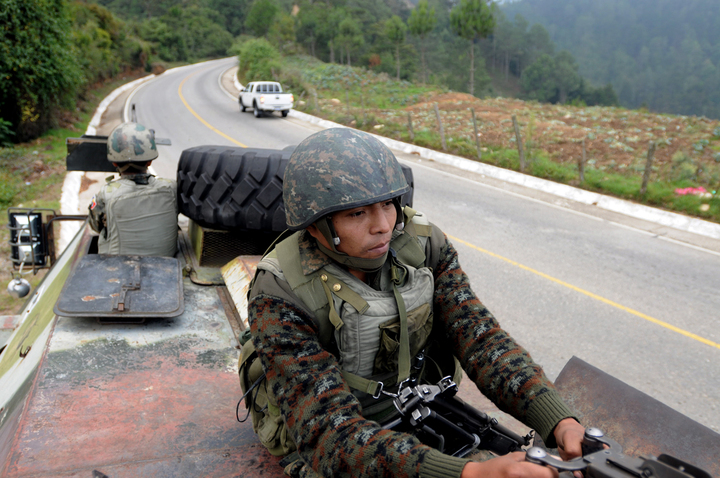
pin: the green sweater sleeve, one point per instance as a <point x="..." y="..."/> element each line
<point x="502" y="369"/>
<point x="325" y="419"/>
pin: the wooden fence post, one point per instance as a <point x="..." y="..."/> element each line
<point x="521" y="155"/>
<point x="648" y="168"/>
<point x="442" y="131"/>
<point x="581" y="165"/>
<point x="410" y="127"/>
<point x="477" y="139"/>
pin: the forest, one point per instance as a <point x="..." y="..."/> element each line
<point x="51" y="51"/>
<point x="660" y="54"/>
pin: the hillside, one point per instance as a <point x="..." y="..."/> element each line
<point x="616" y="140"/>
<point x="664" y="54"/>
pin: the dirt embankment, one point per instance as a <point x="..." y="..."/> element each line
<point x="614" y="137"/>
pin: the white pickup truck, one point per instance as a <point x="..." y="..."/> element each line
<point x="265" y="97"/>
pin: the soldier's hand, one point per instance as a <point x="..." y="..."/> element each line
<point x="569" y="435"/>
<point x="512" y="465"/>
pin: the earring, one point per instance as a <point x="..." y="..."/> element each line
<point x="336" y="241"/>
<point x="400" y="226"/>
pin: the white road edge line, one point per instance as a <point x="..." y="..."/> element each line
<point x="566" y="209"/>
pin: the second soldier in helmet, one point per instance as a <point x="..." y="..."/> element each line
<point x="137" y="213"/>
<point x="345" y="306"/>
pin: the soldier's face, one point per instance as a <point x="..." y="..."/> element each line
<point x="364" y="231"/>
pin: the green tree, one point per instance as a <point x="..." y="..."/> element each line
<point x="309" y="21"/>
<point x="566" y="75"/>
<point x="330" y="29"/>
<point x="471" y="20"/>
<point x="421" y="22"/>
<point x="395" y="30"/>
<point x="232" y="12"/>
<point x="258" y="60"/>
<point x="553" y="79"/>
<point x="186" y="34"/>
<point x="168" y="43"/>
<point x="38" y="67"/>
<point x="261" y="16"/>
<point x="282" y="32"/>
<point x="349" y="37"/>
<point x="538" y="80"/>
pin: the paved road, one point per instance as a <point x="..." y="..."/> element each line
<point x="563" y="283"/>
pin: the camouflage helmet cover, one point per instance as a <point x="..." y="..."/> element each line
<point x="131" y="142"/>
<point x="337" y="169"/>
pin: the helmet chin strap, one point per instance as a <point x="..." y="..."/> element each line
<point x="326" y="228"/>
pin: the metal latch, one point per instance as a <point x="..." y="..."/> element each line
<point x="121" y="303"/>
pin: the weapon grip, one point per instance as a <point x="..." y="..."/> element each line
<point x="540" y="457"/>
<point x="592" y="441"/>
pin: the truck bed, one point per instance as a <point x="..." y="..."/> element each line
<point x="152" y="399"/>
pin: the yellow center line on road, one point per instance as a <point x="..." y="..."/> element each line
<point x="594" y="296"/>
<point x="200" y="118"/>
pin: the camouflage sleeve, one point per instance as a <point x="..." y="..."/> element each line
<point x="503" y="370"/>
<point x="96" y="212"/>
<point x="323" y="416"/>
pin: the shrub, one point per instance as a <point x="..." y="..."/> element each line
<point x="683" y="167"/>
<point x="258" y="60"/>
<point x="6" y="133"/>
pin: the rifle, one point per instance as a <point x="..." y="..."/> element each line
<point x="603" y="458"/>
<point x="440" y="419"/>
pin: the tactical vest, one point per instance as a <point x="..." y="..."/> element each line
<point x="141" y="219"/>
<point x="362" y="323"/>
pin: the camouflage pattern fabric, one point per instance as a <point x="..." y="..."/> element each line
<point x="335" y="169"/>
<point x="324" y="417"/>
<point x="131" y="142"/>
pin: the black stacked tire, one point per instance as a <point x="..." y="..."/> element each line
<point x="233" y="188"/>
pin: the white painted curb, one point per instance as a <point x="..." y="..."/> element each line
<point x="639" y="211"/>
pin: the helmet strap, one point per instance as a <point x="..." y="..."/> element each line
<point x="400" y="218"/>
<point x="357" y="263"/>
<point x="326" y="228"/>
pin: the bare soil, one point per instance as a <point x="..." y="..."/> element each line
<point x="614" y="137"/>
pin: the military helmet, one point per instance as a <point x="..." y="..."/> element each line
<point x="337" y="169"/>
<point x="131" y="143"/>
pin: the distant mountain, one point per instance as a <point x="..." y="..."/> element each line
<point x="664" y="54"/>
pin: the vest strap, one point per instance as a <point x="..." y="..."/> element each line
<point x="345" y="293"/>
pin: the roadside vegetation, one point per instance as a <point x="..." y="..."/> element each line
<point x="684" y="175"/>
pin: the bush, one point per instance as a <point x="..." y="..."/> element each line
<point x="683" y="168"/>
<point x="6" y="133"/>
<point x="258" y="60"/>
<point x="40" y="73"/>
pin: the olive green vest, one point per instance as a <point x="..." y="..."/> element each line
<point x="141" y="219"/>
<point x="332" y="285"/>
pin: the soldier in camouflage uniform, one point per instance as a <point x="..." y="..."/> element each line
<point x="341" y="191"/>
<point x="136" y="214"/>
